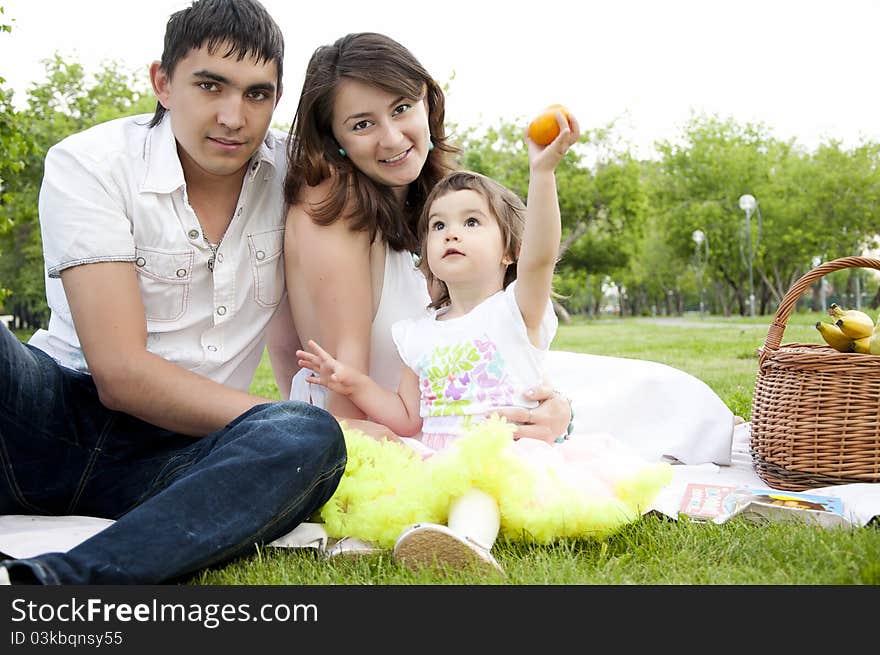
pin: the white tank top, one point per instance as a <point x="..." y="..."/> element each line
<point x="404" y="295"/>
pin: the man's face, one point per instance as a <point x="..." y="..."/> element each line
<point x="220" y="109"/>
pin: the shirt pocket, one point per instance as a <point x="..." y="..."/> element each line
<point x="165" y="279"/>
<point x="268" y="266"/>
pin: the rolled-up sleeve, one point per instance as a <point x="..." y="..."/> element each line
<point x="82" y="213"/>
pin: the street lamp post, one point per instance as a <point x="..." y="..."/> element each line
<point x="748" y="204"/>
<point x="701" y="257"/>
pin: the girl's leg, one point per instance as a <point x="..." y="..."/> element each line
<point x="475" y="516"/>
<point x="474" y="521"/>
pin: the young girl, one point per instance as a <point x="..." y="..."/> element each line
<point x="490" y="260"/>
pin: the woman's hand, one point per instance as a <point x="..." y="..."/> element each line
<point x="546" y="422"/>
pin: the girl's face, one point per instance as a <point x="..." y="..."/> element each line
<point x="385" y="136"/>
<point x="464" y="244"/>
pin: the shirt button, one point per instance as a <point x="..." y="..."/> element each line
<point x="239" y="210"/>
<point x="181" y="272"/>
<point x="254" y="167"/>
<point x="221" y="310"/>
<point x="220" y="257"/>
<point x="261" y="254"/>
<point x="213" y="349"/>
<point x="193" y="234"/>
<point x="141" y="261"/>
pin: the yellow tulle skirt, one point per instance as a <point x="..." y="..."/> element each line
<point x="586" y="487"/>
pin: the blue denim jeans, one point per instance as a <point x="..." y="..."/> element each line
<point x="180" y="503"/>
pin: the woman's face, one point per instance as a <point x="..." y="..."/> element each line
<point x="384" y="135"/>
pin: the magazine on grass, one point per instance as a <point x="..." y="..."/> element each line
<point x="720" y="503"/>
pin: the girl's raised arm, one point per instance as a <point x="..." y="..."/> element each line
<point x="543" y="231"/>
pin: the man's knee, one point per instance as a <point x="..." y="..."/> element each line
<point x="298" y="426"/>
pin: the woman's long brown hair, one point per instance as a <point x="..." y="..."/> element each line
<point x="313" y="154"/>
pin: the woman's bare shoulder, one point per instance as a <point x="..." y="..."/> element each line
<point x="311" y="198"/>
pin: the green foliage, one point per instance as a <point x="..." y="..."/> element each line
<point x="4" y="27"/>
<point x="67" y="101"/>
<point x="811" y="206"/>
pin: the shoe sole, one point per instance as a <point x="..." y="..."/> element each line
<point x="351" y="551"/>
<point x="426" y="548"/>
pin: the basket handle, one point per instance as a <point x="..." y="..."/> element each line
<point x="777" y="327"/>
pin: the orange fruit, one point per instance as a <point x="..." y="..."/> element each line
<point x="544" y="128"/>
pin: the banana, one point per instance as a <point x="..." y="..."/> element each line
<point x="863" y="345"/>
<point x="836" y="310"/>
<point x="855" y="324"/>
<point x="874" y="341"/>
<point x="834" y="337"/>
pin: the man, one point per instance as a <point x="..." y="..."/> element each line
<point x="162" y="242"/>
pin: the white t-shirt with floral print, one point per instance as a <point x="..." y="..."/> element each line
<point x="473" y="364"/>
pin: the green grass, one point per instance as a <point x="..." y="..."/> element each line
<point x="654" y="550"/>
<point x="721" y="352"/>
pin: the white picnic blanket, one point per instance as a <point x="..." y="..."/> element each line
<point x="662" y="412"/>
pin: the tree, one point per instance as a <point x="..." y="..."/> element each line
<point x="699" y="187"/>
<point x="68" y="101"/>
<point x="14" y="151"/>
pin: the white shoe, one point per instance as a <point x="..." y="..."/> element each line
<point x="429" y="544"/>
<point x="4" y="576"/>
<point x="349" y="547"/>
<point x="305" y="535"/>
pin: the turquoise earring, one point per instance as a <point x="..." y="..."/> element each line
<point x="341" y="152"/>
<point x="430" y="146"/>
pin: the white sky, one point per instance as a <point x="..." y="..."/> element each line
<point x="806" y="68"/>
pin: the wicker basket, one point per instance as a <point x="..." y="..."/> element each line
<point x="815" y="412"/>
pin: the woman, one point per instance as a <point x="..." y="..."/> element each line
<point x="367" y="145"/>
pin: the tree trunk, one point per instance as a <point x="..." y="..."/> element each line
<point x="561" y="313"/>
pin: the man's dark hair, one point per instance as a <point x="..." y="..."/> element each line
<point x="243" y="27"/>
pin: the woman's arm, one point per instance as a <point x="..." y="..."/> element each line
<point x="329" y="287"/>
<point x="282" y="345"/>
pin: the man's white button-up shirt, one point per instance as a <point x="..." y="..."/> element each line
<point x="116" y="193"/>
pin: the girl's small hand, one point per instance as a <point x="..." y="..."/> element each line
<point x="547" y="158"/>
<point x="331" y="374"/>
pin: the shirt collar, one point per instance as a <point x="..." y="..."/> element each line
<point x="264" y="158"/>
<point x="164" y="173"/>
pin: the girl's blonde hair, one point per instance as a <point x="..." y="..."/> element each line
<point x="506" y="207"/>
